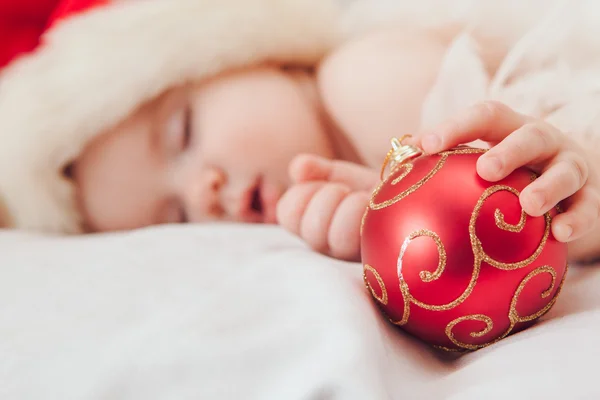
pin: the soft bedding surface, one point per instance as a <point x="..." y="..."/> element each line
<point x="247" y="312"/>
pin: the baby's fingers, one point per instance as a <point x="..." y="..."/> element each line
<point x="531" y="144"/>
<point x="326" y="216"/>
<point x="344" y="232"/>
<point x="308" y="209"/>
<point x="563" y="177"/>
<point x="310" y="167"/>
<point x="314" y="227"/>
<point x="580" y="217"/>
<point x="292" y="206"/>
<point x="489" y="121"/>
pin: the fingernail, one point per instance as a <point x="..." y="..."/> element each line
<point x="432" y="143"/>
<point x="538" y="200"/>
<point x="563" y="231"/>
<point x="491" y="166"/>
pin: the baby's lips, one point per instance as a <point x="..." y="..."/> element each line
<point x="270" y="195"/>
<point x="244" y="211"/>
<point x="258" y="203"/>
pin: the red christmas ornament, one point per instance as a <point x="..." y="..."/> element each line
<point x="453" y="259"/>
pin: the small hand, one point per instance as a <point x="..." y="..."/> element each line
<point x="518" y="140"/>
<point x="325" y="204"/>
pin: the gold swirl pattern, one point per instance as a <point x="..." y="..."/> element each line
<point x="513" y="315"/>
<point x="383" y="299"/>
<point x="479" y="253"/>
<point x="408" y="167"/>
<point x="406" y="299"/>
<point x="476" y="245"/>
<point x="362" y="221"/>
<point x="477" y="317"/>
<point x="448" y="349"/>
<point x="502" y="224"/>
<point x="463" y="150"/>
<point x="427" y="276"/>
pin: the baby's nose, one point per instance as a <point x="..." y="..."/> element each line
<point x="214" y="179"/>
<point x="204" y="195"/>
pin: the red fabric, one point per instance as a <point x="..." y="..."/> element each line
<point x="67" y="8"/>
<point x="23" y="22"/>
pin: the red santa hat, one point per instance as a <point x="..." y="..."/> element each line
<point x="69" y="69"/>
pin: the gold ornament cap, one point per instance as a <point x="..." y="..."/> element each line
<point x="399" y="154"/>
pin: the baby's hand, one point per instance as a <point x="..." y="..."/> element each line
<point x="518" y="140"/>
<point x="326" y="203"/>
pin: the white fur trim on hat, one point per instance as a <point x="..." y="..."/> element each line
<point x="98" y="67"/>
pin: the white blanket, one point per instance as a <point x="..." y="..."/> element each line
<point x="248" y="312"/>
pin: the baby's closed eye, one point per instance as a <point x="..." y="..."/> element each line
<point x="177" y="134"/>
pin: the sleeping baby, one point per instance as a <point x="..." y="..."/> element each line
<point x="264" y="140"/>
<point x="302" y="149"/>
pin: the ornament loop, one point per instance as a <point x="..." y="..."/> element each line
<point x="398" y="154"/>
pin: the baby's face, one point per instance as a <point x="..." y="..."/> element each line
<point x="212" y="151"/>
